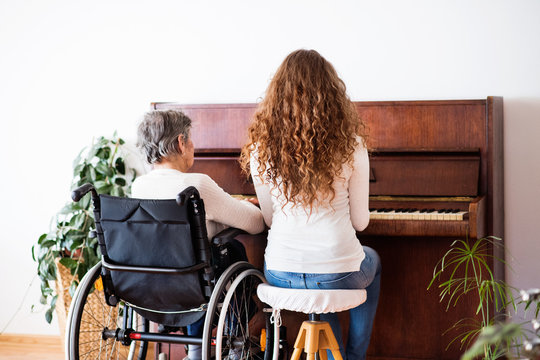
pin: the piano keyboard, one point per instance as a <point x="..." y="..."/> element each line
<point x="417" y="214"/>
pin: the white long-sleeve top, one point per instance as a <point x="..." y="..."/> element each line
<point x="222" y="210"/>
<point x="324" y="241"/>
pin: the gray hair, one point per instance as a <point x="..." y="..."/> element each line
<point x="157" y="135"/>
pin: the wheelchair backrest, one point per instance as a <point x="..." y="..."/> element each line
<point x="155" y="256"/>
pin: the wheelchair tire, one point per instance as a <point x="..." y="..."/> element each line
<point x="89" y="316"/>
<point x="234" y="297"/>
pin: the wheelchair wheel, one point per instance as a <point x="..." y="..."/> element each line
<point x="93" y="325"/>
<point x="215" y="304"/>
<point x="234" y="319"/>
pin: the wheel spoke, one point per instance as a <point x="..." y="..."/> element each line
<point x="91" y="316"/>
<point x="233" y="337"/>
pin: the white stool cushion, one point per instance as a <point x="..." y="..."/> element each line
<point x="311" y="301"/>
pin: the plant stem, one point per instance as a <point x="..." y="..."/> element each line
<point x="116" y="145"/>
<point x="481" y="304"/>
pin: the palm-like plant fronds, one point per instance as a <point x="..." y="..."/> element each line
<point x="465" y="270"/>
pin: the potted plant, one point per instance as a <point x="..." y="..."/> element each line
<point x="67" y="251"/>
<point x="526" y="342"/>
<point x="465" y="271"/>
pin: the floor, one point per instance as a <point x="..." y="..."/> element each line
<point x="42" y="347"/>
<point x="18" y="346"/>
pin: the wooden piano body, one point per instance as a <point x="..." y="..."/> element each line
<point x="424" y="155"/>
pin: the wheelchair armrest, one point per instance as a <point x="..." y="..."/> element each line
<point x="226" y="235"/>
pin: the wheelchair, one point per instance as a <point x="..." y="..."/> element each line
<point x="159" y="273"/>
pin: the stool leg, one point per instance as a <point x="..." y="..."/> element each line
<point x="299" y="343"/>
<point x="316" y="337"/>
<point x="327" y="340"/>
<point x="311" y="346"/>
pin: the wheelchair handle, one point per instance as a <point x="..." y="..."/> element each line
<point x="189" y="192"/>
<point x="82" y="190"/>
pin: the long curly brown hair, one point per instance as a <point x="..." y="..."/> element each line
<point x="304" y="129"/>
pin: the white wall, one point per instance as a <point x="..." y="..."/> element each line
<point x="70" y="70"/>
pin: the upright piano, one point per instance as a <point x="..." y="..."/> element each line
<point x="436" y="175"/>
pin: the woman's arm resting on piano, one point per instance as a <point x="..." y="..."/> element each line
<point x="359" y="189"/>
<point x="262" y="190"/>
<point x="223" y="208"/>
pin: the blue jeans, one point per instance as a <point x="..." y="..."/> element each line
<point x="361" y="317"/>
<point x="195" y="351"/>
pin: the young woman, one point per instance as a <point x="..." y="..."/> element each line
<point x="308" y="160"/>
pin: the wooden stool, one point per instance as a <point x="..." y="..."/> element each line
<point x="314" y="335"/>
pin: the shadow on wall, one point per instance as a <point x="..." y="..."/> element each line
<point x="522" y="190"/>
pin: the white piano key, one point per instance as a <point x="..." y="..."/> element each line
<point x="379" y="214"/>
<point x="417" y="215"/>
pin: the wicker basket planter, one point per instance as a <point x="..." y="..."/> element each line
<point x="94" y="305"/>
<point x="63" y="302"/>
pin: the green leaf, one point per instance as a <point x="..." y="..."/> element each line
<point x="75" y="244"/>
<point x="92" y="243"/>
<point x="104" y="169"/>
<point x="69" y="208"/>
<point x="68" y="262"/>
<point x="90" y="175"/>
<point x="78" y="220"/>
<point x="79" y="170"/>
<point x="53" y="301"/>
<point x="117" y="191"/>
<point x="100" y="183"/>
<point x="46" y="290"/>
<point x="81" y="271"/>
<point x="84" y="203"/>
<point x="44" y="270"/>
<point x="104" y="153"/>
<point x="48" y="244"/>
<point x="48" y="315"/>
<point x="41" y="238"/>
<point x="105" y="188"/>
<point x="120" y="181"/>
<point x="73" y="287"/>
<point x="120" y="166"/>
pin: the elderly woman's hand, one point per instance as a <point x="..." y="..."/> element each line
<point x="253" y="200"/>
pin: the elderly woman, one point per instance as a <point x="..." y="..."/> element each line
<point x="164" y="137"/>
